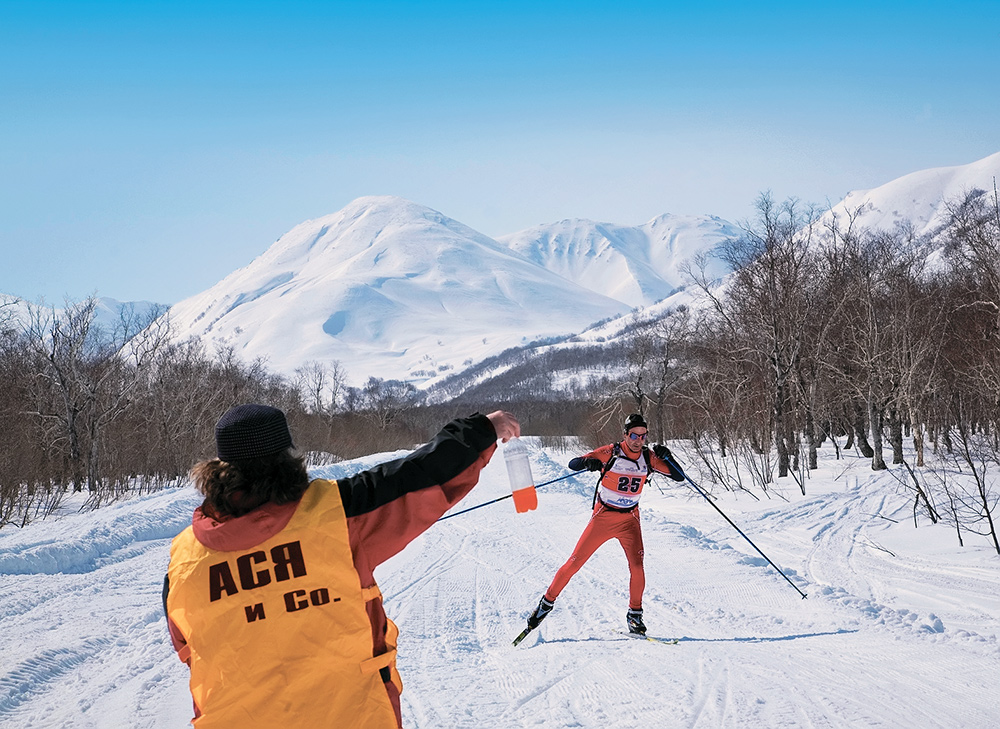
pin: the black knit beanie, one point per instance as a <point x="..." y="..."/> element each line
<point x="635" y="420"/>
<point x="251" y="431"/>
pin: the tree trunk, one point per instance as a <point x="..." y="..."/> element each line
<point x="850" y="439"/>
<point x="875" y="422"/>
<point x="75" y="457"/>
<point x="917" y="428"/>
<point x="780" y="426"/>
<point x="985" y="502"/>
<point x="859" y="432"/>
<point x="896" y="437"/>
<point x="783" y="455"/>
<point x="93" y="469"/>
<point x="811" y="441"/>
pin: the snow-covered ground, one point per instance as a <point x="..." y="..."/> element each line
<point x="899" y="630"/>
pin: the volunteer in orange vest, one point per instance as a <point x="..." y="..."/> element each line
<point x="624" y="467"/>
<point x="270" y="597"/>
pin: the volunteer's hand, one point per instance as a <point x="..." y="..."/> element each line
<point x="505" y="425"/>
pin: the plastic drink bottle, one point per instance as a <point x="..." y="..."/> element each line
<point x="522" y="484"/>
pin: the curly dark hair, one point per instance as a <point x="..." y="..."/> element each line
<point x="237" y="488"/>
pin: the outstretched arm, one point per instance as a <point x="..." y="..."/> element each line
<point x="390" y="505"/>
<point x="592" y="461"/>
<point x="505" y="425"/>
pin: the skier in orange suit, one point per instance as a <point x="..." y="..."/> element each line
<point x="624" y="467"/>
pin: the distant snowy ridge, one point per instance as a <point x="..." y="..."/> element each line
<point x="108" y="313"/>
<point x="588" y="251"/>
<point x="397" y="290"/>
<point x="638" y="265"/>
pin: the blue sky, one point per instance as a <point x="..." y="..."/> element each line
<point x="148" y="149"/>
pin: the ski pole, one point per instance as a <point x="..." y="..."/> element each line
<point x="673" y="463"/>
<point x="487" y="503"/>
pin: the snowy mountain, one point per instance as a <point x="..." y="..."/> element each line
<point x="112" y="314"/>
<point x="637" y="265"/>
<point x="398" y="290"/>
<point x="920" y="197"/>
<point x="900" y="629"/>
<point x="389" y="288"/>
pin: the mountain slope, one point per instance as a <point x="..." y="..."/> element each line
<point x="919" y="197"/>
<point x="591" y="252"/>
<point x="389" y="288"/>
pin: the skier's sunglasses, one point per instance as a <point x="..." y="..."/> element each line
<point x="637" y="436"/>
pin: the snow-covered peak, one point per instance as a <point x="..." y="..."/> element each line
<point x="919" y="197"/>
<point x="384" y="232"/>
<point x="390" y="288"/>
<point x="365" y="223"/>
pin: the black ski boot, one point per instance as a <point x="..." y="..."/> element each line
<point x="634" y="620"/>
<point x="543" y="609"/>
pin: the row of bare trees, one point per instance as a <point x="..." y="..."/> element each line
<point x="827" y="330"/>
<point x="103" y="409"/>
<point x="110" y="409"/>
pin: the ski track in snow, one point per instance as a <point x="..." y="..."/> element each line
<point x="899" y="629"/>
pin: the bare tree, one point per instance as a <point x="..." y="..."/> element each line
<point x="322" y="385"/>
<point x="771" y="262"/>
<point x="86" y="376"/>
<point x="652" y="368"/>
<point x="385" y="400"/>
<point x="977" y="505"/>
<point x="59" y="343"/>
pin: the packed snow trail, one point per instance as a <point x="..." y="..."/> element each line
<point x="900" y="628"/>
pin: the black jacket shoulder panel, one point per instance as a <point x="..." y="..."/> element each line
<point x="456" y="447"/>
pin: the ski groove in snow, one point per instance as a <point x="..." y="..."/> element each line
<point x="36" y="675"/>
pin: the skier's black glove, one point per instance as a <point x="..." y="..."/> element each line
<point x="588" y="464"/>
<point x="662" y="452"/>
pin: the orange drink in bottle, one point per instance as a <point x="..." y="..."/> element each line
<point x="522" y="483"/>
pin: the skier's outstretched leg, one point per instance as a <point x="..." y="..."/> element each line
<point x="593" y="537"/>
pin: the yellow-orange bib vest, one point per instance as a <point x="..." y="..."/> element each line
<point x="279" y="632"/>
